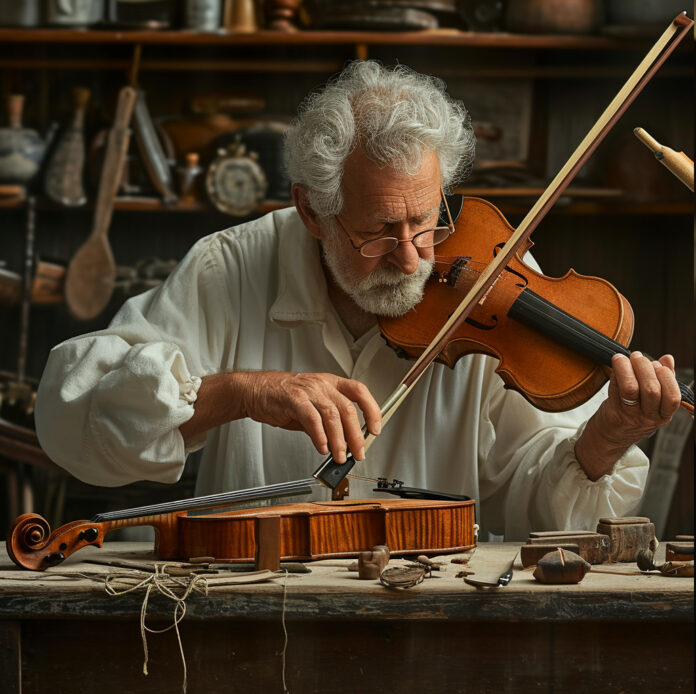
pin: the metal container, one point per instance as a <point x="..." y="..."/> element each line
<point x="21" y="149"/>
<point x="202" y="15"/>
<point x="74" y="13"/>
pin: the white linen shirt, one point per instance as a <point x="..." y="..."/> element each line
<point x="111" y="402"/>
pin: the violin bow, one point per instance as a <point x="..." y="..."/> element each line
<point x="330" y="473"/>
<point x="677" y="162"/>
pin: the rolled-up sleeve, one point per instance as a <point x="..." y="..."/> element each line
<point x="110" y="403"/>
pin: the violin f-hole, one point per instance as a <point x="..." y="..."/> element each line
<point x="483" y="326"/>
<point x="507" y="268"/>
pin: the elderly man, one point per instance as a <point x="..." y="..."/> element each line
<point x="269" y="329"/>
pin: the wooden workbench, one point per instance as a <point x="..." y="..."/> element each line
<point x="609" y="633"/>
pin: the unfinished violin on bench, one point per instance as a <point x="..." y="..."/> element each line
<point x="316" y="530"/>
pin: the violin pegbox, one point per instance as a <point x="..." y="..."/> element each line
<point x="31" y="545"/>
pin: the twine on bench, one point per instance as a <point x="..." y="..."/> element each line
<point x="161" y="581"/>
<point x="165" y="584"/>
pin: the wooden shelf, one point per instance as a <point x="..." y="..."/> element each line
<point x="517" y="200"/>
<point x="584" y="201"/>
<point x="435" y="37"/>
<point x="156" y="205"/>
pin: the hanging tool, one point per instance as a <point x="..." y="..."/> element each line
<point x="90" y="279"/>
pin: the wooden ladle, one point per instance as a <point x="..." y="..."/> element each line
<point x="89" y="282"/>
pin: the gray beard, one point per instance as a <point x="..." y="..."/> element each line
<point x="386" y="291"/>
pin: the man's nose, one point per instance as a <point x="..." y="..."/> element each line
<point x="405" y="256"/>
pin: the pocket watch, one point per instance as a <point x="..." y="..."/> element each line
<point x="234" y="182"/>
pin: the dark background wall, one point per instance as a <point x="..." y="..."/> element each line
<point x="640" y="239"/>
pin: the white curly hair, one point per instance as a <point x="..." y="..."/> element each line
<point x="394" y="114"/>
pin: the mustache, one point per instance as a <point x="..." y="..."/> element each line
<point x="391" y="276"/>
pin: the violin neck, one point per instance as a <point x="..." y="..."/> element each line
<point x="538" y="313"/>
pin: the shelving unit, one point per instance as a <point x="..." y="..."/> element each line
<point x="437" y="37"/>
<point x="641" y="240"/>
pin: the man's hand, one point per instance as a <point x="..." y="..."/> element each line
<point x="643" y="396"/>
<point x="320" y="404"/>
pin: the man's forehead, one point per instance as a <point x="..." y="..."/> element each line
<point x="382" y="193"/>
<point x="407" y="208"/>
<point x="405" y="205"/>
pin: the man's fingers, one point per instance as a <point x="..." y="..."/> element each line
<point x="671" y="395"/>
<point x="352" y="429"/>
<point x="360" y="394"/>
<point x="668" y="361"/>
<point x="311" y="421"/>
<point x="333" y="426"/>
<point x="645" y="386"/>
<point x="649" y="386"/>
<point x="321" y="404"/>
<point x="625" y="379"/>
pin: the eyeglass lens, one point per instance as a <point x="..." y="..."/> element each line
<point x="386" y="244"/>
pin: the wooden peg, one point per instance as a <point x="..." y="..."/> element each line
<point x="372" y="563"/>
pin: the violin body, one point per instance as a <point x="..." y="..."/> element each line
<point x="308" y="531"/>
<point x="511" y="321"/>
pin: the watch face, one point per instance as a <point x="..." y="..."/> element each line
<point x="235" y="185"/>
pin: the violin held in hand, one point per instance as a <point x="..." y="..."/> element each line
<point x="554" y="337"/>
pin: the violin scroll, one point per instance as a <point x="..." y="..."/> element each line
<point x="31" y="545"/>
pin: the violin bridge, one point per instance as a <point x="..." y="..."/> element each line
<point x="341" y="490"/>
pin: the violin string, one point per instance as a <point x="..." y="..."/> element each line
<point x="587" y="340"/>
<point x="581" y="331"/>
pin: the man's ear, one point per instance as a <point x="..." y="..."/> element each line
<point x="307" y="214"/>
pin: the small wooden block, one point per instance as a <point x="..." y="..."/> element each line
<point x="613" y="520"/>
<point x="628" y="536"/>
<point x="679" y="551"/>
<point x="267" y="543"/>
<point x="592" y="547"/>
<point x="530" y="554"/>
<point x="372" y="563"/>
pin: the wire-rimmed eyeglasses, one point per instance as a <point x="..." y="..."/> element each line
<point x="374" y="248"/>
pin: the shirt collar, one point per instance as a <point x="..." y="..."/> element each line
<point x="302" y="291"/>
